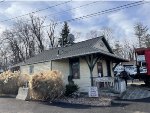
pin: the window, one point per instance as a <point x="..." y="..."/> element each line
<point x="74" y="68"/>
<point x="31" y="69"/>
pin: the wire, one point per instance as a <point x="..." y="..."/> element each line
<point x="2" y="1"/>
<point x="74" y="8"/>
<point x="133" y="4"/>
<point x="104" y="11"/>
<point x="107" y="11"/>
<point x="36" y="11"/>
<point x="56" y="13"/>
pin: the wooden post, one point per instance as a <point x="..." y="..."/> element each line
<point x="91" y="61"/>
<point x="115" y="66"/>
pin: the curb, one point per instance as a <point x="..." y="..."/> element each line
<point x="8" y="95"/>
<point x="121" y="102"/>
<point x="81" y="104"/>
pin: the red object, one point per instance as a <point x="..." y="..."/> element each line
<point x="141" y="51"/>
<point x="146" y="52"/>
<point x="147" y="58"/>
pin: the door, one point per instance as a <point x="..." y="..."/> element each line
<point x="108" y="68"/>
<point x="100" y="69"/>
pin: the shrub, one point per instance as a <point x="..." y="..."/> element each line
<point x="46" y="85"/>
<point x="70" y="89"/>
<point x="9" y="82"/>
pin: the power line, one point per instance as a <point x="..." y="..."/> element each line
<point x="108" y="10"/>
<point x="130" y="5"/>
<point x="36" y="11"/>
<point x="133" y="4"/>
<point x="74" y="8"/>
<point x="2" y="1"/>
<point x="56" y="13"/>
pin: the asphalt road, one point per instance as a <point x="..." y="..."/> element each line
<point x="11" y="105"/>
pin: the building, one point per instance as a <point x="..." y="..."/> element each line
<point x="83" y="61"/>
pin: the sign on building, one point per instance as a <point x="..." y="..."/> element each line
<point x="93" y="92"/>
<point x="140" y="58"/>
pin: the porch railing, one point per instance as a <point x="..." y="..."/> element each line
<point x="103" y="82"/>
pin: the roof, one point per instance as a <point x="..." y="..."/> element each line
<point x="77" y="49"/>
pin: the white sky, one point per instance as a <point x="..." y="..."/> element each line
<point x="121" y="22"/>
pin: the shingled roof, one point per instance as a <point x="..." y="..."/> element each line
<point x="78" y="49"/>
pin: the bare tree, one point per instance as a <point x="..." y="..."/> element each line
<point x="105" y="31"/>
<point x="3" y="63"/>
<point x="108" y="33"/>
<point x="37" y="30"/>
<point x="23" y="39"/>
<point x="51" y="33"/>
<point x="92" y="34"/>
<point x="10" y="39"/>
<point x="141" y="32"/>
<point x="31" y="48"/>
<point x="118" y="49"/>
<point x="147" y="40"/>
<point x="129" y="50"/>
<point x="24" y="36"/>
<point x="77" y="35"/>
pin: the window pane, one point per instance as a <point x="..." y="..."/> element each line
<point x="75" y="70"/>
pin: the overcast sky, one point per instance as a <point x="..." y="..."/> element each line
<point x="121" y="22"/>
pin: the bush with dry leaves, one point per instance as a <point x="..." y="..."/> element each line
<point x="46" y="85"/>
<point x="9" y="82"/>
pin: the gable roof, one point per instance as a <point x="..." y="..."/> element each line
<point x="77" y="49"/>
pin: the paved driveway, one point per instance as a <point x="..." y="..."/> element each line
<point x="11" y="105"/>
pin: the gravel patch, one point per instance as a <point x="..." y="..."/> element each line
<point x="100" y="101"/>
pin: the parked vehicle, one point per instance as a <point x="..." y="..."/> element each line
<point x="141" y="70"/>
<point x="118" y="70"/>
<point x="130" y="70"/>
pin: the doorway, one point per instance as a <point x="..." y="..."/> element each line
<point x="100" y="69"/>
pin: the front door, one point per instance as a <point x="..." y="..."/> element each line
<point x="108" y="68"/>
<point x="100" y="69"/>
